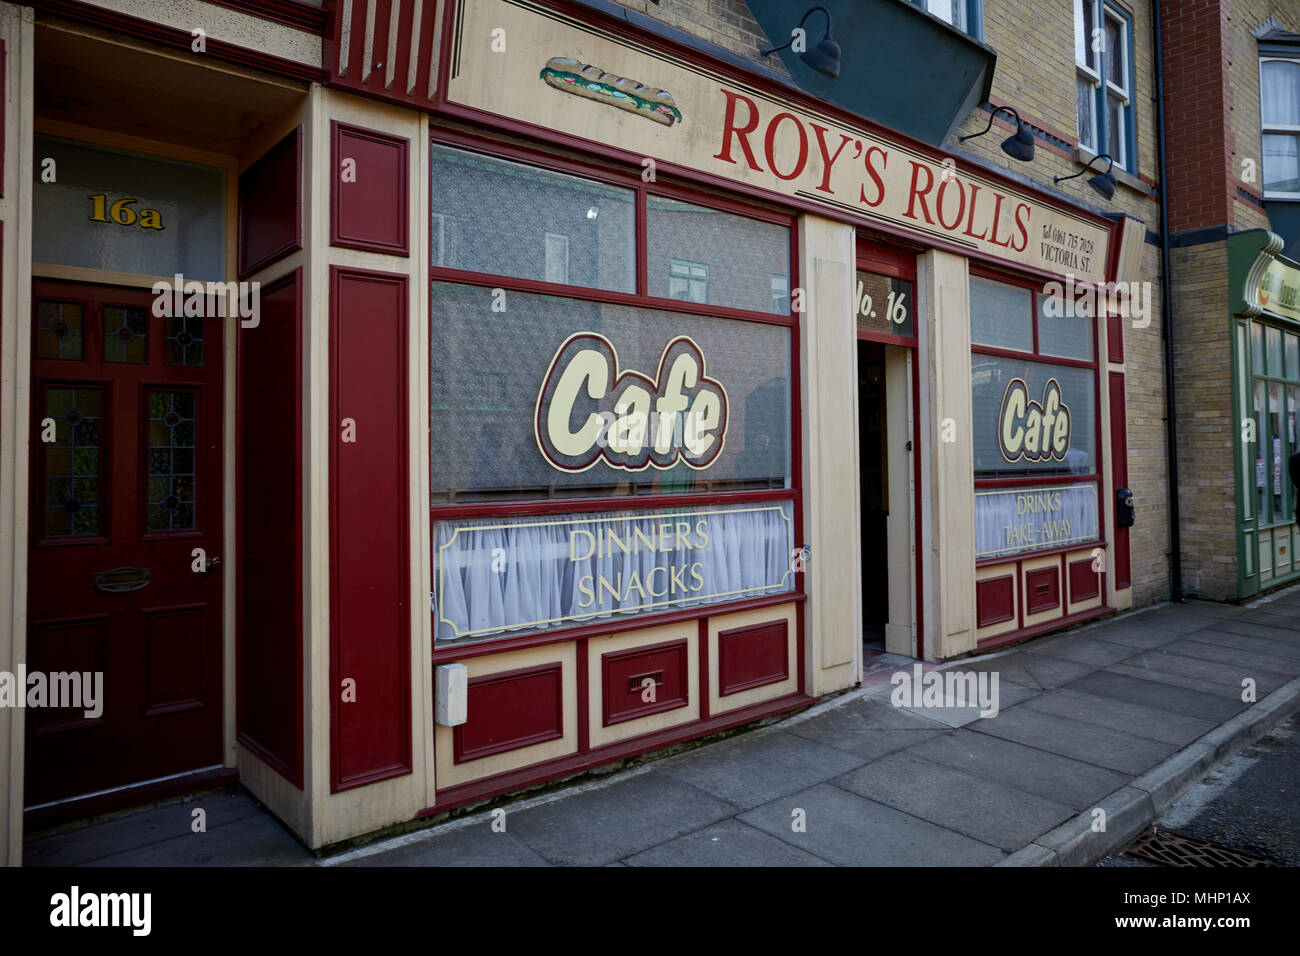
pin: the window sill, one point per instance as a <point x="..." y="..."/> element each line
<point x="1083" y="156"/>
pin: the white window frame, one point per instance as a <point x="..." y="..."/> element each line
<point x="1266" y="129"/>
<point x="684" y="270"/>
<point x="1098" y="80"/>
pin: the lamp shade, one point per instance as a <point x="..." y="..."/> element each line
<point x="1020" y="145"/>
<point x="1104" y="183"/>
<point x="824" y="58"/>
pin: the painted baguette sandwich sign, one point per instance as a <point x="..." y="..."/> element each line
<point x="561" y="75"/>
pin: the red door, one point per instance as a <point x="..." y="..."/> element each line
<point x="129" y="486"/>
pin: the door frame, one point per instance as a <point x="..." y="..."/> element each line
<point x="103" y="801"/>
<point x="900" y="263"/>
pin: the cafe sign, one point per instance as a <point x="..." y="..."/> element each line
<point x="560" y="74"/>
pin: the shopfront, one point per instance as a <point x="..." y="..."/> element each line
<point x="601" y="396"/>
<point x="1266" y="387"/>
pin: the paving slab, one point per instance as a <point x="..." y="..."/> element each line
<point x="1213" y="676"/>
<point x="473" y="845"/>
<point x="1245" y="642"/>
<point x="604" y="824"/>
<point x="105" y="838"/>
<point x="1160" y="695"/>
<point x="1008" y="695"/>
<point x="1171" y="620"/>
<point x="1102" y="746"/>
<point x="849" y="830"/>
<point x="256" y="841"/>
<point x="1043" y="774"/>
<point x="1044" y="671"/>
<point x="978" y="807"/>
<point x="756" y="768"/>
<point x="1083" y="649"/>
<point x="729" y="843"/>
<point x="1274" y="630"/>
<point x="1148" y="722"/>
<point x="848" y="729"/>
<point x="1285" y="617"/>
<point x="1239" y="657"/>
<point x="1143" y="636"/>
<point x="1207" y="609"/>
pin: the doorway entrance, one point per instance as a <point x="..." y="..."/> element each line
<point x="873" y="478"/>
<point x="126" y="484"/>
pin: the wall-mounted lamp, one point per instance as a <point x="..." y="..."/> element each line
<point x="1104" y="183"/>
<point x="1019" y="145"/>
<point x="825" y="56"/>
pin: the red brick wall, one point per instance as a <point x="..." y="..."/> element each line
<point x="1197" y="57"/>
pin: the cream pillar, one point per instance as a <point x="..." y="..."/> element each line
<point x="16" y="30"/>
<point x="900" y="630"/>
<point x="947" y="466"/>
<point x="828" y="357"/>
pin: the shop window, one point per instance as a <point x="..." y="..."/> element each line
<point x="733" y="256"/>
<point x="504" y="218"/>
<point x="688" y="280"/>
<point x="1275" y="372"/>
<point x="663" y="369"/>
<point x="1103" y="57"/>
<point x="1035" y="420"/>
<point x="965" y="15"/>
<point x="1279" y="99"/>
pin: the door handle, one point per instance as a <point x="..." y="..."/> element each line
<point x="121" y="580"/>
<point x="211" y="563"/>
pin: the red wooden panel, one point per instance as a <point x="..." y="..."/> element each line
<point x="1119" y="474"/>
<point x="995" y="600"/>
<point x="1042" y="590"/>
<point x="369" y="211"/>
<point x="369" y="518"/>
<point x="269" y="474"/>
<point x="1115" y="338"/>
<point x="1085" y="583"/>
<point x="511" y="710"/>
<point x="270" y="206"/>
<point x="622" y="674"/>
<point x="68" y="646"/>
<point x="752" y="656"/>
<point x="173" y="659"/>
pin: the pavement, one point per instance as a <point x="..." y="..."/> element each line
<point x="1098" y="732"/>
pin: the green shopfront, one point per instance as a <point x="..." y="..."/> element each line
<point x="1265" y="290"/>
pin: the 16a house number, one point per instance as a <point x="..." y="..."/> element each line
<point x="121" y="213"/>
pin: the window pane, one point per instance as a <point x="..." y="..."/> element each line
<point x="885" y="304"/>
<point x="1257" y="349"/>
<point x="58" y="327"/>
<point x="1243" y="398"/>
<point x="950" y="11"/>
<point x="712" y="239"/>
<point x="495" y="576"/>
<point x="1014" y="435"/>
<point x="1116" y="130"/>
<point x="1115" y="52"/>
<point x="1277" y="466"/>
<point x="1292" y="357"/>
<point x="1086" y="98"/>
<point x="1273" y="338"/>
<point x="72" y="461"/>
<point x="500" y="380"/>
<point x="1000" y="315"/>
<point x="1281" y="163"/>
<point x="1280" y="92"/>
<point x="171" y="467"/>
<point x="185" y="341"/>
<point x="509" y="219"/>
<point x="1084" y="23"/>
<point x="125" y="332"/>
<point x="1261" y="431"/>
<point x="1062" y="331"/>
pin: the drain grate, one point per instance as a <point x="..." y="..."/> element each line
<point x="1170" y="849"/>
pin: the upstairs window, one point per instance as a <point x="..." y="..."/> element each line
<point x="1279" y="100"/>
<point x="1103" y="58"/>
<point x="965" y="15"/>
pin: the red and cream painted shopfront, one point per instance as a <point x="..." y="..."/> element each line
<point x="548" y="445"/>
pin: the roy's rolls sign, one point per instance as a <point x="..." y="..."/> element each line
<point x="734" y="131"/>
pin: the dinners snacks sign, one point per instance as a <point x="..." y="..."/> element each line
<point x="566" y="76"/>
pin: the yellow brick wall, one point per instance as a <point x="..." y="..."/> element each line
<point x="727" y="23"/>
